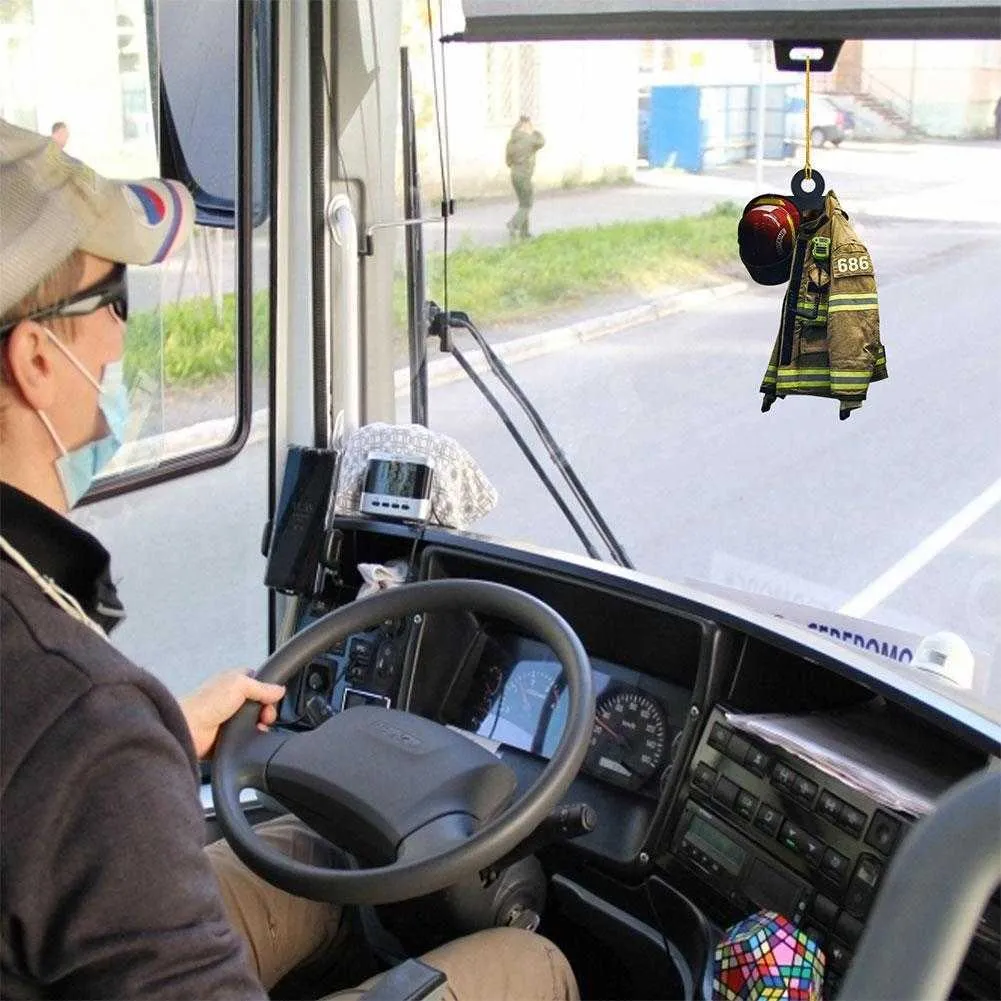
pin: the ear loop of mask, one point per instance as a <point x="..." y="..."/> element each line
<point x="79" y="367"/>
<point x="102" y="388"/>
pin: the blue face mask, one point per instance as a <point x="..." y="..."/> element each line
<point x="78" y="469"/>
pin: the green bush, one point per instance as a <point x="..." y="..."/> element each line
<point x="198" y="343"/>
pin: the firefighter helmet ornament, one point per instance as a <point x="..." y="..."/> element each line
<point x="766" y="235"/>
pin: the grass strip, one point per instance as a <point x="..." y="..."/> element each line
<point x="557" y="269"/>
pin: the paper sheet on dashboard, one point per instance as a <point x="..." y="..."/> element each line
<point x="854" y="748"/>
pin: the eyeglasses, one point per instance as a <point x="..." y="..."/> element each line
<point x="112" y="290"/>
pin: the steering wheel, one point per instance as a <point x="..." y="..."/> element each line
<point x="422" y="805"/>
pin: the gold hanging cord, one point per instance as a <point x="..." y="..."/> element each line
<point x="807" y="169"/>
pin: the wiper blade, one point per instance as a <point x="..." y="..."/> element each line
<point x="440" y="326"/>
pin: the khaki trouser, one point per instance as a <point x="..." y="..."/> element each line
<point x="283" y="932"/>
<point x="522" y="183"/>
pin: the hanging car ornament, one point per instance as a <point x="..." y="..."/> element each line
<point x="828" y="342"/>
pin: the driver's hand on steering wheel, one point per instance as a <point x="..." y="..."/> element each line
<point x="216" y="700"/>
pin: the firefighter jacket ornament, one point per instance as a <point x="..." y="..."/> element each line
<point x="828" y="342"/>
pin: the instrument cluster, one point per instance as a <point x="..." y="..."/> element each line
<point x="516" y="695"/>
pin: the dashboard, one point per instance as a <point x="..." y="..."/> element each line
<point x="688" y="791"/>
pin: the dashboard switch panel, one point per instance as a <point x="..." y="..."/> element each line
<point x="766" y="828"/>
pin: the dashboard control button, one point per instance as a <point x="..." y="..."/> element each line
<point x="783" y="776"/>
<point x="704" y="777"/>
<point x="824" y="910"/>
<point x="726" y="791"/>
<point x="838" y="956"/>
<point x="853" y="820"/>
<point x="883" y="832"/>
<point x="791" y="836"/>
<point x="812" y="850"/>
<point x="862" y="888"/>
<point x="830" y="807"/>
<point x="746" y="804"/>
<point x="834" y="865"/>
<point x="848" y="928"/>
<point x="756" y="760"/>
<point x="737" y="748"/>
<point x="804" y="790"/>
<point x="768" y="819"/>
<point x="719" y="737"/>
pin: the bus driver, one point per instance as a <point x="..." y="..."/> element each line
<point x="108" y="891"/>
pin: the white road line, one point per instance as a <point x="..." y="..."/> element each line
<point x="926" y="550"/>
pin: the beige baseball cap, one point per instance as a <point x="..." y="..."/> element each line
<point x="51" y="204"/>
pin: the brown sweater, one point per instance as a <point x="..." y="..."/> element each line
<point x="106" y="891"/>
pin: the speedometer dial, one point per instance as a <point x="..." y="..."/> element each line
<point x="629" y="739"/>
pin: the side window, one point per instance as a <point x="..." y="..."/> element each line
<point x="181" y="508"/>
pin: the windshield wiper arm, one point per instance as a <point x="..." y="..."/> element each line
<point x="440" y="324"/>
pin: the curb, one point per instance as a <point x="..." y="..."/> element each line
<point x="445" y="370"/>
<point x="441" y="371"/>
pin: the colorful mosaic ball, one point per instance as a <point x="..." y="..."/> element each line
<point x="767" y="957"/>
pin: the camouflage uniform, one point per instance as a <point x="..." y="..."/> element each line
<point x="520" y="157"/>
<point x="828" y="342"/>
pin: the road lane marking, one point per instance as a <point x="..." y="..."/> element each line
<point x="923" y="553"/>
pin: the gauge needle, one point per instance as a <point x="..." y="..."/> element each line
<point x="618" y="737"/>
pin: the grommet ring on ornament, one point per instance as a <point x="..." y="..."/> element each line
<point x="812" y="200"/>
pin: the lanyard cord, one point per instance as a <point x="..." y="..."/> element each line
<point x="807" y="169"/>
<point x="52" y="590"/>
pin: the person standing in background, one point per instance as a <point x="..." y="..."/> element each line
<point x="522" y="145"/>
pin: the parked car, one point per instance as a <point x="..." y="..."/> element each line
<point x="828" y="122"/>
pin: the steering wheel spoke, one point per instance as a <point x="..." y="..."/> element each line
<point x="260" y="750"/>
<point x="439" y="835"/>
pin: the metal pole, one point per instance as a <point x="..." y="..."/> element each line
<point x="759" y="165"/>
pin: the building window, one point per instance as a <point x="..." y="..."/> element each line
<point x="512" y="83"/>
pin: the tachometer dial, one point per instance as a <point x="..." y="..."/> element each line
<point x="629" y="740"/>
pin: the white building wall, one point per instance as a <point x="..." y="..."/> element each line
<point x="950" y="85"/>
<point x="77" y="44"/>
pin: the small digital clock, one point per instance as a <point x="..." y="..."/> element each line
<point x="397" y="486"/>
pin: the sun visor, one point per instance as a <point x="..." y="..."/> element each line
<point x="550" y="20"/>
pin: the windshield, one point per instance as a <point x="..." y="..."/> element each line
<point x="597" y="190"/>
<point x="599" y="187"/>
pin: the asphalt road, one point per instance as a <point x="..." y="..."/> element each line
<point x="662" y="423"/>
